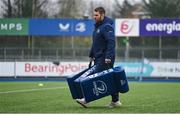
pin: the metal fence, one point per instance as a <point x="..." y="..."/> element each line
<point x="51" y="54"/>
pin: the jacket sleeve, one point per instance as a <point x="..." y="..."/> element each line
<point x="110" y="39"/>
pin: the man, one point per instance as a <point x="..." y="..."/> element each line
<point x="103" y="49"/>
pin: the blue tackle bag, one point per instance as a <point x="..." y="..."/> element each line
<point x="93" y="86"/>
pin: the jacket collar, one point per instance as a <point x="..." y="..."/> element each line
<point x="105" y="20"/>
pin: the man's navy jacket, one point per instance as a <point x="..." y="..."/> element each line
<point x="103" y="40"/>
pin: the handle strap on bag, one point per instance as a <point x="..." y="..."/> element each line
<point x="90" y="64"/>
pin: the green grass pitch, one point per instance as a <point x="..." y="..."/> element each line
<point x="54" y="97"/>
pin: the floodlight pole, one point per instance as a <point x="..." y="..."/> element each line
<point x="127" y="49"/>
<point x="72" y="37"/>
<point x="160" y="47"/>
<point x="32" y="38"/>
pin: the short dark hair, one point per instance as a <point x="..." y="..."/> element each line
<point x="101" y="10"/>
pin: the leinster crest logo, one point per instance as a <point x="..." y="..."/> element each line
<point x="99" y="87"/>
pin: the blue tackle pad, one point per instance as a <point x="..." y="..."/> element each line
<point x="93" y="86"/>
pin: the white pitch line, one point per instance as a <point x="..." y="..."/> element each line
<point x="30" y="90"/>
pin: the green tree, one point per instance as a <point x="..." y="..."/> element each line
<point x="30" y="8"/>
<point x="124" y="10"/>
<point x="162" y="8"/>
<point x="7" y="8"/>
<point x="69" y="8"/>
<point x="24" y="8"/>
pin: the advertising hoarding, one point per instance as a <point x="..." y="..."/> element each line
<point x="61" y="27"/>
<point x="127" y="27"/>
<point x="13" y="26"/>
<point x="160" y="27"/>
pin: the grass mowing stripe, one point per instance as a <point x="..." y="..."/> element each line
<point x="30" y="90"/>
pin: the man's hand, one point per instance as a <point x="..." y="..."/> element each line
<point x="107" y="61"/>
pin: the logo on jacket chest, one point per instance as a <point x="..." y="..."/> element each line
<point x="98" y="31"/>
